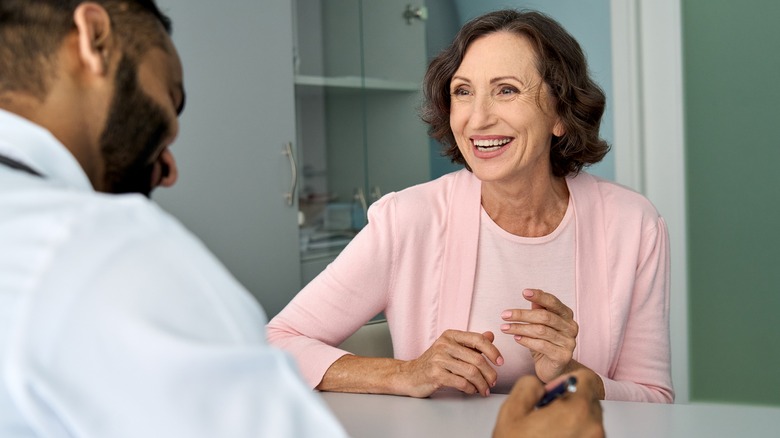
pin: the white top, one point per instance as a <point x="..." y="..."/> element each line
<point x="117" y="322"/>
<point x="508" y="264"/>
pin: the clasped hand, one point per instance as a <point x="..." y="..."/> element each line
<point x="457" y="360"/>
<point x="547" y="329"/>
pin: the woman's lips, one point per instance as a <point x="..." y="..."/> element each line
<point x="489" y="147"/>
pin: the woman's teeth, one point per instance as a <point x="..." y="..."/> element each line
<point x="491" y="145"/>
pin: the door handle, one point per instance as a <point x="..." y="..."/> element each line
<point x="290" y="196"/>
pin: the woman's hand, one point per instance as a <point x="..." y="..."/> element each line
<point x="456" y="360"/>
<point x="547" y="329"/>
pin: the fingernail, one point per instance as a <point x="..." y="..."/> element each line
<point x="518" y="337"/>
<point x="528" y="293"/>
<point x="504" y="327"/>
<point x="506" y="314"/>
<point x="487" y="392"/>
<point x="499" y="362"/>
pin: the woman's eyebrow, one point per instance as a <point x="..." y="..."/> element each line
<point x="504" y="78"/>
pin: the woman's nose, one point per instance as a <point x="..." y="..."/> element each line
<point x="482" y="113"/>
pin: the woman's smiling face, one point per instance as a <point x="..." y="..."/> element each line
<point x="501" y="113"/>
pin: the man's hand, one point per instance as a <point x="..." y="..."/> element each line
<point x="573" y="415"/>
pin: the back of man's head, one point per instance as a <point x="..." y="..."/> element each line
<point x="31" y="31"/>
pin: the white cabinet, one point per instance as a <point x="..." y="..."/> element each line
<point x="359" y="66"/>
<point x="239" y="115"/>
<point x="346" y="97"/>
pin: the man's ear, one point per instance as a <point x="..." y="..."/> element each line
<point x="95" y="40"/>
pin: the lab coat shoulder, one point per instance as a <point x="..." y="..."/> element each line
<point x="135" y="318"/>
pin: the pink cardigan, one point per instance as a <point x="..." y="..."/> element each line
<point x="416" y="261"/>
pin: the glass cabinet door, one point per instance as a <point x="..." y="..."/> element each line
<point x="358" y="65"/>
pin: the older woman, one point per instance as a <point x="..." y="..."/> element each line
<point x="520" y="264"/>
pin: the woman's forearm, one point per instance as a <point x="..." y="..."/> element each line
<point x="369" y="375"/>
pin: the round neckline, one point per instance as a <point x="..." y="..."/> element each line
<point x="487" y="221"/>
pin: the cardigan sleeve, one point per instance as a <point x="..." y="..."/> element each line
<point x="642" y="370"/>
<point x="348" y="293"/>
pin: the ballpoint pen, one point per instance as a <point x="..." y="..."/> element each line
<point x="567" y="386"/>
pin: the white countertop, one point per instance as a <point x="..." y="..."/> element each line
<point x="455" y="415"/>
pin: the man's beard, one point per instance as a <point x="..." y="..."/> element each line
<point x="133" y="133"/>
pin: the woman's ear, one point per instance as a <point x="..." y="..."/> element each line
<point x="93" y="25"/>
<point x="558" y="129"/>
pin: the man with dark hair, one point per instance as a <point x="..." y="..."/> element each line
<point x="114" y="320"/>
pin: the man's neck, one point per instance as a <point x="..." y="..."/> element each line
<point x="54" y="115"/>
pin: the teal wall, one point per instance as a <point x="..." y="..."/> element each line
<point x="731" y="64"/>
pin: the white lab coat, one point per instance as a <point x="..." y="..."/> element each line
<point x="117" y="322"/>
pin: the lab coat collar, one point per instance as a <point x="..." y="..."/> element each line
<point x="36" y="147"/>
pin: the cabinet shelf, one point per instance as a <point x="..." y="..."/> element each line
<point x="357" y="85"/>
<point x="355" y="82"/>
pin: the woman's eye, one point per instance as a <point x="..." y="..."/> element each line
<point x="460" y="92"/>
<point x="507" y="92"/>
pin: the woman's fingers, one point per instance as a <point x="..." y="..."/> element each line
<point x="480" y="343"/>
<point x="554" y="358"/>
<point x="547" y="329"/>
<point x="539" y="338"/>
<point x="471" y="352"/>
<point x="548" y="301"/>
<point x="459" y="360"/>
<point x="547" y="311"/>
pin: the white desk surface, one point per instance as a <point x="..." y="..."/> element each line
<point x="456" y="415"/>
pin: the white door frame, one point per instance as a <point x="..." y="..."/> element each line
<point x="649" y="138"/>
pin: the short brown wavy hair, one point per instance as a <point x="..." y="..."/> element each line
<point x="561" y="63"/>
